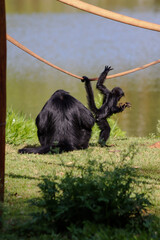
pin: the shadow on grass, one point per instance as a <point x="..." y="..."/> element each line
<point x="12" y="175"/>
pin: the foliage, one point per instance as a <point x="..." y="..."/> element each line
<point x="20" y="129"/>
<point x="91" y="231"/>
<point x="96" y="194"/>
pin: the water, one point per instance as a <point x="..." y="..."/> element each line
<point x="83" y="44"/>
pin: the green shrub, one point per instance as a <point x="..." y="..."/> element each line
<point x="94" y="193"/>
<point x="20" y="129"/>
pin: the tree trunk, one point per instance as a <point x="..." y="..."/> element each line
<point x="2" y="96"/>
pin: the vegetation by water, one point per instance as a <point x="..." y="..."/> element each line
<point x="20" y="129"/>
<point x="123" y="178"/>
<point x="29" y="6"/>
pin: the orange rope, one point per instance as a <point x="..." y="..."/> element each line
<point x="130" y="71"/>
<point x="111" y="15"/>
<point x="22" y="47"/>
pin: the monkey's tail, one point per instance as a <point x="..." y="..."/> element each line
<point x="35" y="150"/>
<point x="54" y="148"/>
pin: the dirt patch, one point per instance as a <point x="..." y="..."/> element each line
<point x="155" y="145"/>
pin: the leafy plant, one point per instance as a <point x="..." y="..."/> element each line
<point x="20" y="129"/>
<point x="96" y="194"/>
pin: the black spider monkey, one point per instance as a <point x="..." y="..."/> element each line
<point x="63" y="123"/>
<point x="109" y="106"/>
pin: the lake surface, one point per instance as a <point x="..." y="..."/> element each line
<point x="83" y="44"/>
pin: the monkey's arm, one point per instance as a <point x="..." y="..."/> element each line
<point x="120" y="108"/>
<point x="90" y="95"/>
<point x="101" y="80"/>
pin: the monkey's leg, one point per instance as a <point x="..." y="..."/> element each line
<point x="105" y="131"/>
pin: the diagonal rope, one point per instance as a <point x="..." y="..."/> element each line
<point x="25" y="49"/>
<point x="130" y="71"/>
<point x="111" y="15"/>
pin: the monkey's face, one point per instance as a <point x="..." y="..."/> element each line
<point x="118" y="93"/>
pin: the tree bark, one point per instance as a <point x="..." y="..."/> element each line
<point x="2" y="96"/>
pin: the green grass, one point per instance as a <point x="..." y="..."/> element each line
<point x="20" y="129"/>
<point x="25" y="172"/>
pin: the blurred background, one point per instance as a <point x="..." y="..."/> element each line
<point x="83" y="44"/>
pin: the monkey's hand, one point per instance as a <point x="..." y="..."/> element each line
<point x="85" y="79"/>
<point x="107" y="69"/>
<point x="120" y="104"/>
<point x="104" y="73"/>
<point x="127" y="105"/>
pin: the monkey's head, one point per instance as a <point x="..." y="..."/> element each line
<point x="118" y="93"/>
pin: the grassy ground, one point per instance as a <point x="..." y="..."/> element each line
<point x="24" y="172"/>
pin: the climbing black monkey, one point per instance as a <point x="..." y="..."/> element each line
<point x="64" y="123"/>
<point x="109" y="106"/>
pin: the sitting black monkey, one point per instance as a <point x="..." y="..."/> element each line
<point x="109" y="106"/>
<point x="63" y="123"/>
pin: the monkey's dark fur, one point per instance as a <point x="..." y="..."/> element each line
<point x="109" y="106"/>
<point x="63" y="123"/>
